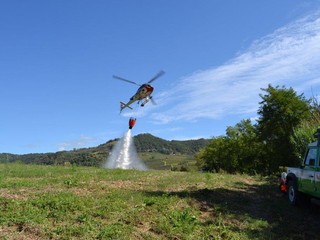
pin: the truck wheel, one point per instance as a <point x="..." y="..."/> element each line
<point x="293" y="195"/>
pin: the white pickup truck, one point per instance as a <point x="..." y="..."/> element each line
<point x="303" y="182"/>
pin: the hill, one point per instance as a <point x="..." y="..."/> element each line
<point x="158" y="150"/>
<point x="149" y="143"/>
<point x="70" y="202"/>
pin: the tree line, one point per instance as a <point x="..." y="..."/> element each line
<point x="278" y="137"/>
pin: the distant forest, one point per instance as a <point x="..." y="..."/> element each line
<point x="95" y="156"/>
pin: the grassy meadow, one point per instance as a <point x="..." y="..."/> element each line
<point x="160" y="161"/>
<point x="67" y="202"/>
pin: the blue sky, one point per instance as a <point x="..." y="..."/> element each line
<point x="57" y="59"/>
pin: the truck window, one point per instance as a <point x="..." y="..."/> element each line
<point x="311" y="157"/>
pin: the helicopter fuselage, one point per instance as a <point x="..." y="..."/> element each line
<point x="144" y="91"/>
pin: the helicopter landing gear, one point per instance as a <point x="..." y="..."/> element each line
<point x="145" y="101"/>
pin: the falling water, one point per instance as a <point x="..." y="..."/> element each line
<point x="124" y="155"/>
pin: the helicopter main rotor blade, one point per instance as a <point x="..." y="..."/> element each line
<point x="126" y="80"/>
<point x="159" y="74"/>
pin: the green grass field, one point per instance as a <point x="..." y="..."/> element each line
<point x="60" y="202"/>
<point x="161" y="161"/>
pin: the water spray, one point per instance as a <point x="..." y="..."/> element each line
<point x="124" y="154"/>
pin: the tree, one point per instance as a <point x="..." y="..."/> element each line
<point x="304" y="133"/>
<point x="247" y="146"/>
<point x="210" y="157"/>
<point x="238" y="151"/>
<point x="281" y="111"/>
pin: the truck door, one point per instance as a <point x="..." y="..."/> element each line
<point x="307" y="177"/>
<point x="317" y="180"/>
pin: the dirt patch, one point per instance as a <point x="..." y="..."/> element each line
<point x="21" y="233"/>
<point x="20" y="194"/>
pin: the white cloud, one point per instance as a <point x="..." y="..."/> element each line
<point x="290" y="56"/>
<point x="82" y="142"/>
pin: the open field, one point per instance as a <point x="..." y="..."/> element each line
<point x="56" y="202"/>
<point x="159" y="161"/>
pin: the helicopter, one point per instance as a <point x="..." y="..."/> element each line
<point x="143" y="93"/>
